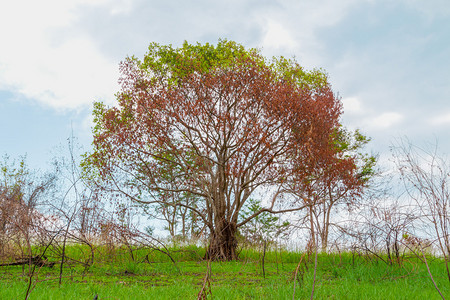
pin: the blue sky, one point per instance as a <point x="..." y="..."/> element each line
<point x="388" y="60"/>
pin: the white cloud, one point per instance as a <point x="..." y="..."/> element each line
<point x="121" y="7"/>
<point x="277" y="37"/>
<point x="292" y="27"/>
<point x="385" y="120"/>
<point x="430" y="8"/>
<point x="441" y="119"/>
<point x="66" y="73"/>
<point x="352" y="105"/>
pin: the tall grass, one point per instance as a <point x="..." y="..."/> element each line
<point x="150" y="274"/>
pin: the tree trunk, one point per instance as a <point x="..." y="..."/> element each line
<point x="313" y="239"/>
<point x="325" y="240"/>
<point x="326" y="228"/>
<point x="223" y="243"/>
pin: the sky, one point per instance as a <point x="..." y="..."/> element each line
<point x="388" y="60"/>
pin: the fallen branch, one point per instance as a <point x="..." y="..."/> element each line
<point x="35" y="260"/>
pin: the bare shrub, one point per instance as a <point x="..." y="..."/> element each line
<point x="21" y="223"/>
<point x="426" y="177"/>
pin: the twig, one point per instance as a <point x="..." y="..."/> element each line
<point x="429" y="272"/>
<point x="296" y="272"/>
<point x="264" y="254"/>
<point x="424" y="260"/>
<point x="315" y="271"/>
<point x="203" y="294"/>
<point x="30" y="278"/>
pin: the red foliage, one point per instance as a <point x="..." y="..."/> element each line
<point x="226" y="131"/>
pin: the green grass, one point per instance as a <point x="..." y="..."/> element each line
<point x="153" y="276"/>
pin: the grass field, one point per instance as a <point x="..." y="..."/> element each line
<point x="152" y="275"/>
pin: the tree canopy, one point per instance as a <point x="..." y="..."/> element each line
<point x="219" y="122"/>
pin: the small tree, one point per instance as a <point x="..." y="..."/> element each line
<point x="228" y="121"/>
<point x="338" y="180"/>
<point x="263" y="228"/>
<point x="173" y="208"/>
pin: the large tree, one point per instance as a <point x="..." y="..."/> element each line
<point x="223" y="121"/>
